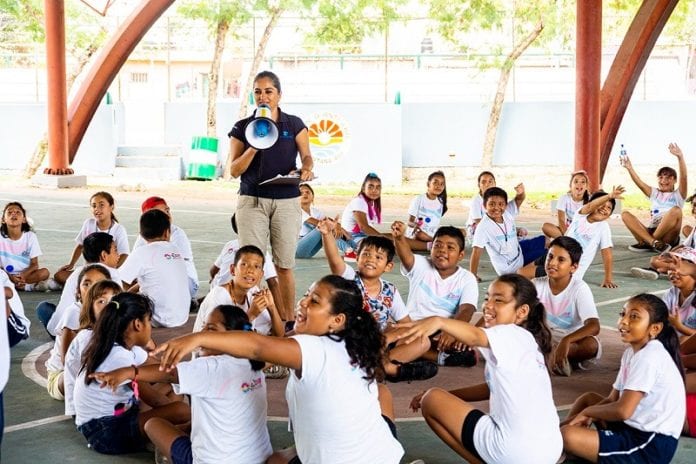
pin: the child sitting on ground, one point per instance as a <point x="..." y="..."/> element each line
<point x="571" y="312"/>
<point x="680" y="303"/>
<point x="375" y="256"/>
<point x="568" y="204"/>
<point x="425" y="212"/>
<point x="438" y="286"/>
<point x="643" y="416"/>
<point x="20" y="251"/>
<point x="309" y="242"/>
<point x="497" y="233"/>
<point x="177" y="237"/>
<point x="486" y="180"/>
<point x="17" y="323"/>
<point x="666" y="205"/>
<point x="364" y="212"/>
<point x="243" y="291"/>
<point x="228" y="402"/>
<point x="590" y="229"/>
<point x="160" y="271"/>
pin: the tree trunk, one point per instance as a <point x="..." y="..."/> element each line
<point x="42" y="145"/>
<point x="214" y="77"/>
<point x="497" y="108"/>
<point x="258" y="56"/>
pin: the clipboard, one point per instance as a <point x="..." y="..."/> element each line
<point x="290" y="179"/>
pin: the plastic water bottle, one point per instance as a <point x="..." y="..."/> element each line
<point x="622" y="155"/>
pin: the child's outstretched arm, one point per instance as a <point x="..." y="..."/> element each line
<point x="403" y="249"/>
<point x="283" y="351"/>
<point x="327" y="227"/>
<point x="520" y="194"/>
<point x="462" y="331"/>
<point x="683" y="182"/>
<point x="147" y="373"/>
<point x="608" y="260"/>
<point x="645" y="188"/>
<point x="77" y="252"/>
<point x="474" y="261"/>
<point x="592" y="206"/>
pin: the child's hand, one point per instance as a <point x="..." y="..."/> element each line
<point x="675" y="150"/>
<point x="519" y="188"/>
<point x="174" y="350"/>
<point x="67" y="267"/>
<point x="582" y="420"/>
<point x="422" y="328"/>
<point x="398" y="229"/>
<point x="617" y="191"/>
<point x="608" y="283"/>
<point x="114" y="378"/>
<point x="258" y="304"/>
<point x="326" y="226"/>
<point x="560" y="354"/>
<point x="626" y="163"/>
<point x="446" y="342"/>
<point x="674" y="319"/>
<point x="416" y="401"/>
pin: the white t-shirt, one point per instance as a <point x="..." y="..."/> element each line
<point x="220" y="296"/>
<point x="313" y="213"/>
<point x="428" y="213"/>
<point x="522" y="413"/>
<point x="70" y="319"/>
<point x="690" y="241"/>
<point x="349" y="223"/>
<point x="431" y="295"/>
<point x="591" y="236"/>
<point x="4" y="355"/>
<point x="477" y="211"/>
<point x="161" y="273"/>
<point x="652" y="371"/>
<point x="386" y="307"/>
<point x="334" y="412"/>
<point x="567" y="311"/>
<point x="228" y="410"/>
<point x="19" y="253"/>
<point x="661" y="202"/>
<point x="72" y="365"/>
<point x="92" y="401"/>
<point x="16" y="304"/>
<point x="569" y="207"/>
<point x="500" y="242"/>
<point x="226" y="259"/>
<point x="181" y="241"/>
<point x="117" y="231"/>
<point x="686" y="311"/>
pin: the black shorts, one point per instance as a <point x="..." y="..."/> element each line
<point x="621" y="443"/>
<point x="468" y="427"/>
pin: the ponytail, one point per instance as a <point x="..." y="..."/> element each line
<point x="236" y="319"/>
<point x="443" y="196"/>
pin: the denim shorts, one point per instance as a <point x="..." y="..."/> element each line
<point x="114" y="434"/>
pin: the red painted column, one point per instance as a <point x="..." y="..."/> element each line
<point x="588" y="62"/>
<point x="57" y="106"/>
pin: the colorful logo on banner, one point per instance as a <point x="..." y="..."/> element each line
<point x="328" y="137"/>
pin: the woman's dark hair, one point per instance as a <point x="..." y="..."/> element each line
<point x="87" y="316"/>
<point x="659" y="314"/>
<point x="376" y="210"/>
<point x="25" y="225"/>
<point x="363" y="339"/>
<point x="481" y="174"/>
<point x="443" y="195"/>
<point x="269" y="75"/>
<point x="110" y="327"/>
<point x="236" y="319"/>
<point x="109" y="199"/>
<point x="601" y="193"/>
<point x="525" y="293"/>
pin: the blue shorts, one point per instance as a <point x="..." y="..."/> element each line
<point x="621" y="443"/>
<point x="114" y="434"/>
<point x="181" y="451"/>
<point x="533" y="248"/>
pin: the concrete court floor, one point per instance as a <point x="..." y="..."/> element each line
<point x="37" y="432"/>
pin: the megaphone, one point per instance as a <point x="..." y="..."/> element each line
<point x="262" y="131"/>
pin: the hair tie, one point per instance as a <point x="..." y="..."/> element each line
<point x="115" y="304"/>
<point x="246" y="327"/>
<point x="359" y="317"/>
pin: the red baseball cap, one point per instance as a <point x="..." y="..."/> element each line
<point x="151" y="203"/>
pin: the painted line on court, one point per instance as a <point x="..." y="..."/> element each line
<point x="36" y="423"/>
<point x="29" y="365"/>
<point x="134" y="208"/>
<point x="616" y="300"/>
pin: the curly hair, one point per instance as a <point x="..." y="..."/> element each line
<point x="364" y="341"/>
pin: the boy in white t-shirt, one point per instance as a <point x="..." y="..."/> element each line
<point x="438" y="286"/>
<point x="177" y="237"/>
<point x="571" y="313"/>
<point x="375" y="256"/>
<point x="666" y="205"/>
<point x="497" y="233"/>
<point x="160" y="270"/>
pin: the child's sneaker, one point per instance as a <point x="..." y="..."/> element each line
<point x="54" y="286"/>
<point x="465" y="358"/>
<point x="350" y="256"/>
<point x="660" y="246"/>
<point x="27" y="287"/>
<point x="41" y="286"/>
<point x="565" y="370"/>
<point x="644" y="273"/>
<point x="275" y="371"/>
<point x="415" y="370"/>
<point x="640" y="248"/>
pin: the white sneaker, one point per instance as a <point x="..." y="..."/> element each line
<point x="28" y="287"/>
<point x="417" y="461"/>
<point x="644" y="273"/>
<point x="40" y="286"/>
<point x="54" y="286"/>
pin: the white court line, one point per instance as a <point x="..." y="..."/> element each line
<point x="135" y="208"/>
<point x="36" y="423"/>
<point x="616" y="300"/>
<point x="29" y="365"/>
<point x="72" y="232"/>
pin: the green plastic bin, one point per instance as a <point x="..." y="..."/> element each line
<point x="202" y="158"/>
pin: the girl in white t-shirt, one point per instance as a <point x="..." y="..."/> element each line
<point x="522" y="414"/>
<point x="309" y="242"/>
<point x="332" y="393"/>
<point x="568" y="204"/>
<point x="20" y="251"/>
<point x="93" y="304"/>
<point x="643" y="416"/>
<point x="66" y="329"/>
<point x="426" y="211"/>
<point x="364" y="212"/>
<point x="104" y="220"/>
<point x="111" y="421"/>
<point x="228" y="402"/>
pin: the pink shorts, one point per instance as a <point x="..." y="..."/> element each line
<point x="691" y="413"/>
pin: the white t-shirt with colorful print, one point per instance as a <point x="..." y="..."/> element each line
<point x="386" y="307"/>
<point x="567" y="311"/>
<point x="686" y="310"/>
<point x="661" y="202"/>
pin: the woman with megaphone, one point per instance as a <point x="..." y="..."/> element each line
<point x="264" y="150"/>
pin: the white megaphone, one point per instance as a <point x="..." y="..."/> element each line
<point x="262" y="131"/>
